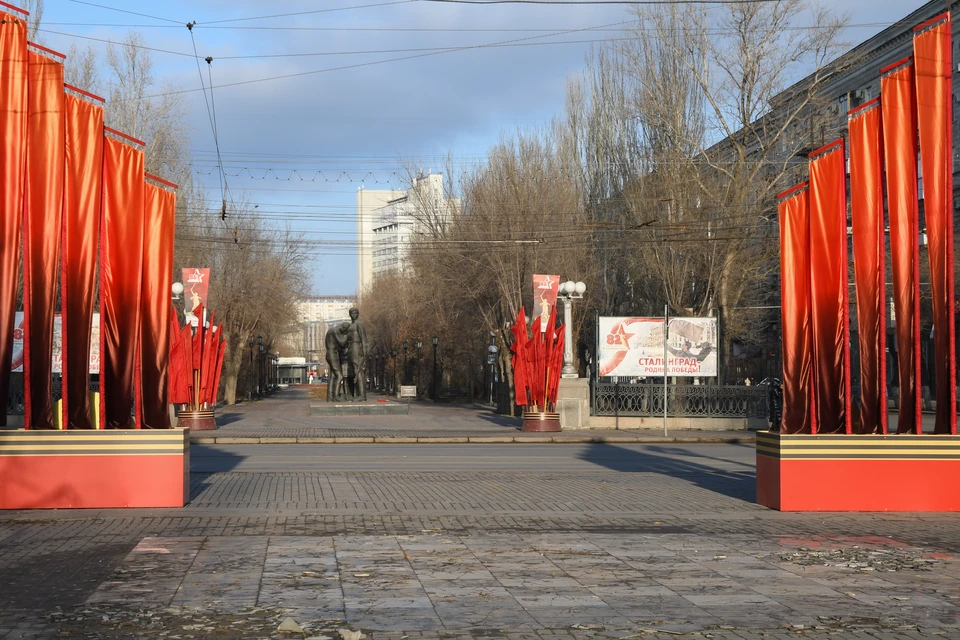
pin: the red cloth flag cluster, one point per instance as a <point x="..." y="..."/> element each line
<point x="196" y="362"/>
<point x="537" y="361"/>
<point x="913" y="118"/>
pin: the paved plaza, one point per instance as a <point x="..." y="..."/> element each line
<point x="577" y="540"/>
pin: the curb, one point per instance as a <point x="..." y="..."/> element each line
<point x="519" y="439"/>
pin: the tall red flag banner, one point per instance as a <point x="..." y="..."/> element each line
<point x="828" y="288"/>
<point x="13" y="138"/>
<point x="900" y="154"/>
<point x="799" y="406"/>
<point x="81" y="229"/>
<point x="155" y="303"/>
<point x="121" y="262"/>
<point x="42" y="219"/>
<point x="866" y="206"/>
<point x="933" y="62"/>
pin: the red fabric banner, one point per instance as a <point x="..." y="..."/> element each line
<point x="13" y="138"/>
<point x="828" y="288"/>
<point x="155" y="303"/>
<point x="866" y="205"/>
<point x="178" y="386"/>
<point x="900" y="155"/>
<point x="121" y="261"/>
<point x="81" y="230"/>
<point x="216" y="378"/>
<point x="931" y="50"/>
<point x="42" y="219"/>
<point x="799" y="407"/>
<point x="186" y="336"/>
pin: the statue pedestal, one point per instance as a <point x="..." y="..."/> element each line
<point x="324" y="408"/>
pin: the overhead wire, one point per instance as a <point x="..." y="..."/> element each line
<point x="213" y="123"/>
<point x="301" y="74"/>
<point x="133" y="13"/>
<point x="304" y="13"/>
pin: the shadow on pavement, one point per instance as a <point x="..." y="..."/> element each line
<point x="224" y="419"/>
<point x="215" y="460"/>
<point x="501" y="420"/>
<point x="664" y="460"/>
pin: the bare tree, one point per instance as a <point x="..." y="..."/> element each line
<point x="721" y="134"/>
<point x="35" y="9"/>
<point x="159" y="120"/>
<point x="81" y="69"/>
<point x="257" y="274"/>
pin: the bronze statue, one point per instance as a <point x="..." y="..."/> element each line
<point x="357" y="348"/>
<point x="334" y="341"/>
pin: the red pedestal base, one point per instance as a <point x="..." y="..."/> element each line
<point x="858" y="472"/>
<point x="540" y="421"/>
<point x="197" y="420"/>
<point x="94" y="469"/>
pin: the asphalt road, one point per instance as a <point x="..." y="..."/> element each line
<point x="575" y="458"/>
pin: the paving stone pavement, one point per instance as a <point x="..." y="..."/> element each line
<point x="663" y="544"/>
<point x="283" y="417"/>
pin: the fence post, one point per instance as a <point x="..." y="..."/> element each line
<point x="666" y="335"/>
<point x="616" y="403"/>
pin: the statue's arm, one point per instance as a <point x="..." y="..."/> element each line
<point x="363" y="338"/>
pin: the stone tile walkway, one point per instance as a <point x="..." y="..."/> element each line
<point x="283" y="418"/>
<point x="628" y="583"/>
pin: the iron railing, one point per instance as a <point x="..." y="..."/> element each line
<point x="15" y="396"/>
<point x="683" y="401"/>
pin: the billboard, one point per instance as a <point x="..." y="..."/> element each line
<point x="545" y="290"/>
<point x="17" y="364"/>
<point x="196" y="287"/>
<point x="633" y="347"/>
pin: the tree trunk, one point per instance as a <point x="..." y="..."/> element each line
<point x="232" y="359"/>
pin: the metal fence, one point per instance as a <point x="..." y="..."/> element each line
<point x="15" y="396"/>
<point x="683" y="401"/>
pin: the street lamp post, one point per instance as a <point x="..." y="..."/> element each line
<point x="393" y="384"/>
<point x="492" y="359"/>
<point x="406" y="362"/>
<point x="569" y="291"/>
<point x="419" y="345"/>
<point x="260" y="390"/>
<point x="433" y="393"/>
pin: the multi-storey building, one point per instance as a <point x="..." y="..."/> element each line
<point x="368" y="201"/>
<point x="396" y="223"/>
<point x="325" y="308"/>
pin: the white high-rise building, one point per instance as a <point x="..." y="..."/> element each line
<point x="368" y="201"/>
<point x="394" y="224"/>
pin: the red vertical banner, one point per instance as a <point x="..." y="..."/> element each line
<point x="866" y="206"/>
<point x="155" y="302"/>
<point x="799" y="407"/>
<point x="545" y="291"/>
<point x="828" y="288"/>
<point x="933" y="61"/>
<point x="79" y="242"/>
<point x="196" y="288"/>
<point x="900" y="155"/>
<point x="13" y="139"/>
<point x="42" y="220"/>
<point x="121" y="263"/>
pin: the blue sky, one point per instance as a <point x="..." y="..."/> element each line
<point x="359" y="125"/>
